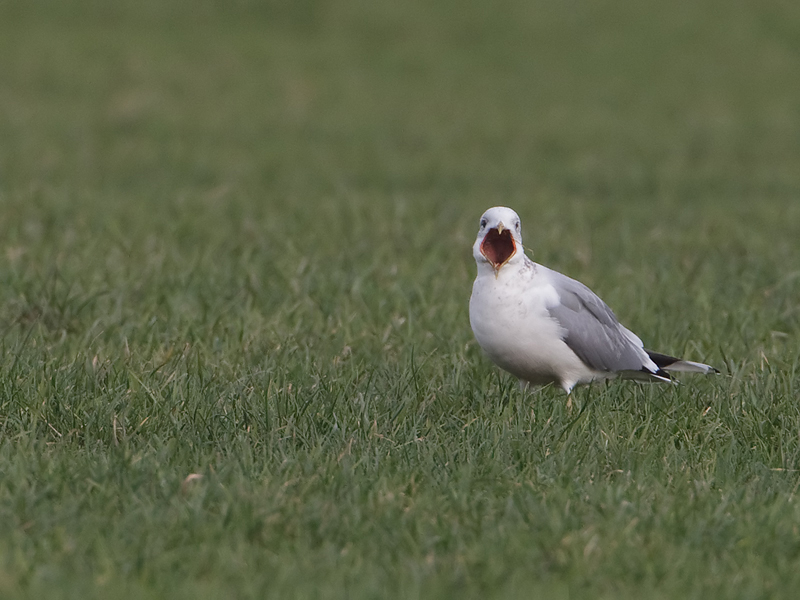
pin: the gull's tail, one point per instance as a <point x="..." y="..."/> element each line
<point x="670" y="363"/>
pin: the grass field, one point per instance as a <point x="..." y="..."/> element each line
<point x="236" y="244"/>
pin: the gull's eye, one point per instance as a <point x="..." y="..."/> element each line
<point x="517" y="225"/>
<point x="483" y="223"/>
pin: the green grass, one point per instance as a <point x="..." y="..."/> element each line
<point x="235" y="241"/>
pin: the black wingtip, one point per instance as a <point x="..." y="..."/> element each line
<point x="666" y="362"/>
<point x="661" y="360"/>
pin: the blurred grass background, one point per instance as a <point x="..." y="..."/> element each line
<point x="236" y="242"/>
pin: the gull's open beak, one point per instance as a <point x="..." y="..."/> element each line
<point x="498" y="246"/>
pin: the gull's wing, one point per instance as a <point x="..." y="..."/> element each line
<point x="593" y="332"/>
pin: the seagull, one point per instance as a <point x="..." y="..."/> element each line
<point x="546" y="328"/>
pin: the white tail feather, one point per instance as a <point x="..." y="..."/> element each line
<point x="687" y="366"/>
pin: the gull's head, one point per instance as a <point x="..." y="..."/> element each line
<point x="499" y="239"/>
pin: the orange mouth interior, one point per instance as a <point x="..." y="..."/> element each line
<point x="498" y="247"/>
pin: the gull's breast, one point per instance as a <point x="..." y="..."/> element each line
<point x="512" y="324"/>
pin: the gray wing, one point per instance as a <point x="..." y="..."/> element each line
<point x="592" y="330"/>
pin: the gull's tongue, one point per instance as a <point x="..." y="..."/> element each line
<point x="498" y="247"/>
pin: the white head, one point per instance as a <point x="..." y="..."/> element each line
<point x="499" y="239"/>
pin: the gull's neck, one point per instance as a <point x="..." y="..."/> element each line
<point x="510" y="269"/>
